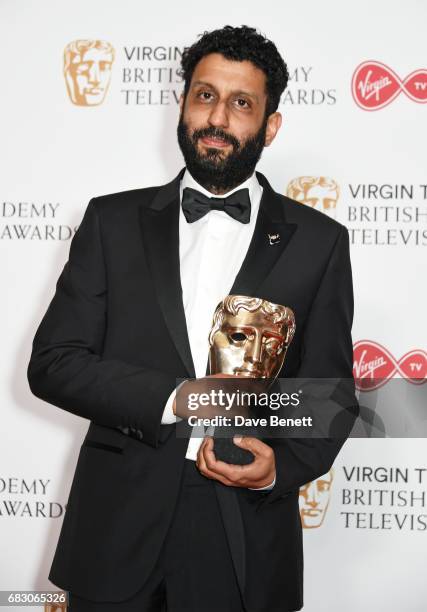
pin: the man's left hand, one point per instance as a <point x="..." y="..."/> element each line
<point x="260" y="473"/>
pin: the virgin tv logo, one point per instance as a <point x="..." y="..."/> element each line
<point x="375" y="85"/>
<point x="374" y="365"/>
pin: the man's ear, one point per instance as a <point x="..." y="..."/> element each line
<point x="274" y="122"/>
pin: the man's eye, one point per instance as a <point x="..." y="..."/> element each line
<point x="238" y="337"/>
<point x="242" y="103"/>
<point x="205" y="95"/>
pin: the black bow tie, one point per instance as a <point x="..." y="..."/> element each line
<point x="196" y="205"/>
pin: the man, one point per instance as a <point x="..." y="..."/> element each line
<point x="144" y="527"/>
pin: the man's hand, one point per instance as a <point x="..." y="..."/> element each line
<point x="198" y="386"/>
<point x="212" y="383"/>
<point x="260" y="473"/>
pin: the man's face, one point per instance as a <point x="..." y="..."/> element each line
<point x="89" y="77"/>
<point x="314" y="501"/>
<point x="223" y="128"/>
<point x="248" y="345"/>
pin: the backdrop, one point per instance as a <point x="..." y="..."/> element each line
<point x="89" y="107"/>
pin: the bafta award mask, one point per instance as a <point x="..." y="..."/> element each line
<point x="319" y="192"/>
<point x="250" y="337"/>
<point x="314" y="500"/>
<point x="87" y="71"/>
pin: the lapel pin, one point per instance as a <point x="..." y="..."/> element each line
<point x="274" y="238"/>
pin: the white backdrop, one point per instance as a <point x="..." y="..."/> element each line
<point x="56" y="155"/>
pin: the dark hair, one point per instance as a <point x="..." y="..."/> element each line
<point x="239" y="44"/>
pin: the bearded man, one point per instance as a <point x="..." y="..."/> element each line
<point x="155" y="521"/>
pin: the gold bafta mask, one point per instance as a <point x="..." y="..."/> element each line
<point x="314" y="500"/>
<point x="250" y="337"/>
<point x="318" y="192"/>
<point x="87" y="71"/>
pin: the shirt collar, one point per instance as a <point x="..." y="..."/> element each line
<point x="255" y="189"/>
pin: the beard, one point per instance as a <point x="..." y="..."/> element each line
<point x="215" y="171"/>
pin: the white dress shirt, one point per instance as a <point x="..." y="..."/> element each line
<point x="211" y="252"/>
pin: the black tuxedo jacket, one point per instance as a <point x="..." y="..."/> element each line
<point x="110" y="349"/>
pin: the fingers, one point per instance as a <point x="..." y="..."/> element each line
<point x="255" y="446"/>
<point x="251" y="475"/>
<point x="208" y="464"/>
<point x="227" y="473"/>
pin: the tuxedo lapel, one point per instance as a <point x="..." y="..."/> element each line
<point x="271" y="236"/>
<point x="160" y="230"/>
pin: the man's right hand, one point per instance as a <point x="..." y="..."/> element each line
<point x="192" y="389"/>
<point x="195" y="386"/>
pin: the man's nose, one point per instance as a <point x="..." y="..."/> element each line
<point x="94" y="73"/>
<point x="219" y="115"/>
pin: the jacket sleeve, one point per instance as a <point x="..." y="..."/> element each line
<point x="66" y="368"/>
<point x="327" y="352"/>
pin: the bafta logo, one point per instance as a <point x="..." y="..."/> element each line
<point x="318" y="192"/>
<point x="314" y="500"/>
<point x="87" y="71"/>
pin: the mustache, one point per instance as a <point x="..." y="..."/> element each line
<point x="213" y="132"/>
